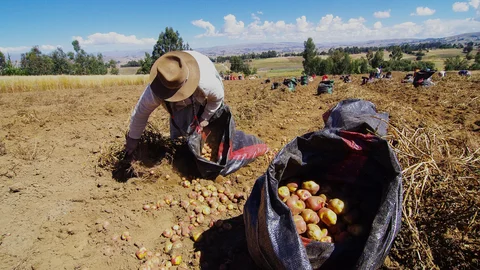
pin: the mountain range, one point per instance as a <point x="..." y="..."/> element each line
<point x="289" y="47"/>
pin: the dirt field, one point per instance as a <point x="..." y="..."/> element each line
<point x="61" y="210"/>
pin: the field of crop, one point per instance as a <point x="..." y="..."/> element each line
<point x="10" y="84"/>
<point x="64" y="203"/>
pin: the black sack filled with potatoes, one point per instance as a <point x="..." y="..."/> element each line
<point x="348" y="162"/>
<point x="229" y="149"/>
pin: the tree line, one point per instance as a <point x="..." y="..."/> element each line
<point x="247" y="56"/>
<point x="405" y="48"/>
<point x="57" y="62"/>
<point x="340" y="62"/>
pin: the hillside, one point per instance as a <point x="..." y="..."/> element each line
<point x="283" y="47"/>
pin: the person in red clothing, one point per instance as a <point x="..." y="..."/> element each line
<point x="325" y="78"/>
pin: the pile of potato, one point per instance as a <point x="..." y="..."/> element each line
<point x="205" y="206"/>
<point x="318" y="217"/>
<point x="207" y="152"/>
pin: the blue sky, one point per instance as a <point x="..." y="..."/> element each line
<point x="106" y="25"/>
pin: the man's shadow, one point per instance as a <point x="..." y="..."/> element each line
<point x="154" y="148"/>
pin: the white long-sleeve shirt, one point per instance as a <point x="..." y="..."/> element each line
<point x="210" y="92"/>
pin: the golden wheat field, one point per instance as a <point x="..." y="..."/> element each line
<point x="63" y="206"/>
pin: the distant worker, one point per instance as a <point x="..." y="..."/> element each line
<point x="187" y="85"/>
<point x="379" y="72"/>
<point x="442" y="74"/>
<point x="324" y="78"/>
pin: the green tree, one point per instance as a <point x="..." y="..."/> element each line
<point x="476" y="63"/>
<point x="113" y="67"/>
<point x="377" y="60"/>
<point x="96" y="65"/>
<point x="455" y="63"/>
<point x="323" y="66"/>
<point x="10" y="69"/>
<point x="168" y="41"/>
<point x="369" y="57"/>
<point x="396" y="53"/>
<point x="80" y="59"/>
<point x="236" y="64"/>
<point x="76" y="46"/>
<point x="309" y="54"/>
<point x="131" y="63"/>
<point x="341" y="62"/>
<point x="36" y="63"/>
<point x="145" y="64"/>
<point x="112" y="63"/>
<point x="469" y="56"/>
<point x="87" y="64"/>
<point x="364" y="66"/>
<point x="468" y="48"/>
<point x="3" y="62"/>
<point x="61" y="63"/>
<point x="114" y="71"/>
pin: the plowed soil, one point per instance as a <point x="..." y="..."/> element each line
<point x="61" y="210"/>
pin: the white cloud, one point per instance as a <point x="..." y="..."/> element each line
<point x="24" y="49"/>
<point x="255" y="17"/>
<point x="210" y="29"/>
<point x="302" y="24"/>
<point x="382" y="14"/>
<point x="460" y="6"/>
<point x="232" y="26"/>
<point x="48" y="47"/>
<point x="112" y="38"/>
<point x="260" y="12"/>
<point x="474" y="3"/>
<point x="425" y="11"/>
<point x="332" y="28"/>
<point x="15" y="49"/>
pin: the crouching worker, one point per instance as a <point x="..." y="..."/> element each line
<point x="187" y="85"/>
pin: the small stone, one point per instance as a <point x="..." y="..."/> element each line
<point x="105" y="224"/>
<point x="70" y="231"/>
<point x="16" y="188"/>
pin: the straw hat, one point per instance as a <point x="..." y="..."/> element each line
<point x="174" y="76"/>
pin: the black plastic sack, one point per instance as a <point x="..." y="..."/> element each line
<point x="234" y="148"/>
<point x="421" y="78"/>
<point x="325" y="87"/>
<point x="344" y="153"/>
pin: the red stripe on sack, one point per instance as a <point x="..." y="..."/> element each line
<point x="250" y="152"/>
<point x="350" y="134"/>
<point x="220" y="150"/>
<point x="305" y="241"/>
<point x="352" y="144"/>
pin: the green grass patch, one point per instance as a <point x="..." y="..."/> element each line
<point x="277" y="63"/>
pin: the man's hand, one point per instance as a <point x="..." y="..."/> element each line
<point x="131" y="145"/>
